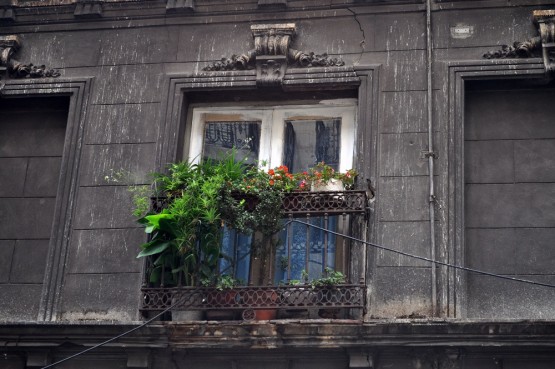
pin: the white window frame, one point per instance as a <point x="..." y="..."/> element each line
<point x="272" y="132"/>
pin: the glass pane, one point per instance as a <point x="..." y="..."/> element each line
<point x="311" y="141"/>
<point x="316" y="246"/>
<point x="237" y="248"/>
<point x="308" y="142"/>
<point x="220" y="137"/>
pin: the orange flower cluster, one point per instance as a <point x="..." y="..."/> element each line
<point x="280" y="177"/>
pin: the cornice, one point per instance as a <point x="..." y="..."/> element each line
<point x="288" y="334"/>
<point x="95" y="14"/>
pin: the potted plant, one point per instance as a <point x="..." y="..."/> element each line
<point x="221" y="297"/>
<point x="253" y="205"/>
<point x="327" y="292"/>
<point x="184" y="236"/>
<point x="323" y="177"/>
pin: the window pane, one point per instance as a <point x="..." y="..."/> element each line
<point x="236" y="248"/>
<point x="220" y="137"/>
<point x="311" y="141"/>
<point x="318" y="243"/>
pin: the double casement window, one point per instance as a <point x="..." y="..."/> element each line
<point x="298" y="136"/>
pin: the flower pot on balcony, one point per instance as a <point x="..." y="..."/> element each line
<point x="261" y="298"/>
<point x="190" y="302"/>
<point x="330" y="185"/>
<point x="328" y="296"/>
<point x="221" y="303"/>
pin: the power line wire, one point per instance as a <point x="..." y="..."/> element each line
<point x="477" y="271"/>
<point x="472" y="270"/>
<point x="113" y="338"/>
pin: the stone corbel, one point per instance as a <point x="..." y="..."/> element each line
<point x="180" y="6"/>
<point x="16" y="69"/>
<point x="272" y="55"/>
<point x="437" y="358"/>
<point x="7" y="10"/>
<point x="138" y="359"/>
<point x="272" y="3"/>
<point x="543" y="45"/>
<point x="362" y="359"/>
<point x="545" y="20"/>
<point x="37" y="359"/>
<point x="88" y="9"/>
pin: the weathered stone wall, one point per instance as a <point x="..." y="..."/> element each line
<point x="132" y="49"/>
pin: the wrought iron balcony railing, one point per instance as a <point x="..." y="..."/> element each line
<point x="333" y="210"/>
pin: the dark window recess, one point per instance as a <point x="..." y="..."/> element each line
<point x="32" y="133"/>
<point x="510" y="197"/>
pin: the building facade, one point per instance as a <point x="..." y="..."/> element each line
<point x="450" y="129"/>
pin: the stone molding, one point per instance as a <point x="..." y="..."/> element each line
<point x="272" y="55"/>
<point x="16" y="69"/>
<point x="543" y="45"/>
<point x="180" y="6"/>
<point x="7" y="13"/>
<point x="88" y="9"/>
<point x="272" y="3"/>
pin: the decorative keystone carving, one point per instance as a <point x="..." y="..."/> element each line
<point x="272" y="55"/>
<point x="88" y="9"/>
<point x="270" y="70"/>
<point x="543" y="45"/>
<point x="272" y="3"/>
<point x="180" y="6"/>
<point x="8" y="47"/>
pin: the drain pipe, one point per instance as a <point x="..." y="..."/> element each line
<point x="430" y="153"/>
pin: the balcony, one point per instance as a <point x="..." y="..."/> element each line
<point x="288" y="299"/>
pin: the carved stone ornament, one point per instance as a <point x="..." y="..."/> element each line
<point x="546" y="24"/>
<point x="543" y="45"/>
<point x="272" y="55"/>
<point x="8" y="47"/>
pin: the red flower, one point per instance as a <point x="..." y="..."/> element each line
<point x="271" y="172"/>
<point x="271" y="182"/>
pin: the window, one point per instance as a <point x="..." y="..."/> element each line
<point x="298" y="136"/>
